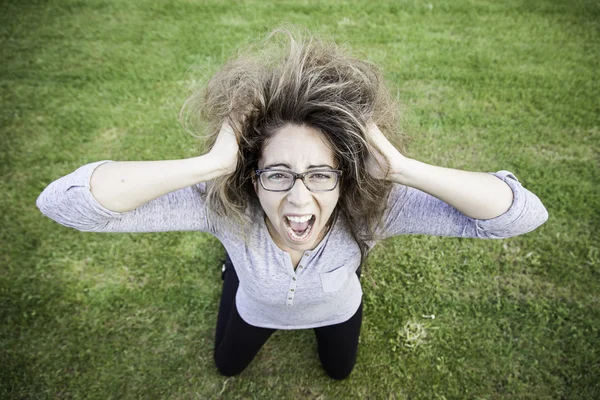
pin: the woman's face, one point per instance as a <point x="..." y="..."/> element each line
<point x="297" y="149"/>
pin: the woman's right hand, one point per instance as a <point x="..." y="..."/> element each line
<point x="225" y="150"/>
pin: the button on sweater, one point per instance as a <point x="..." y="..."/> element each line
<point x="324" y="289"/>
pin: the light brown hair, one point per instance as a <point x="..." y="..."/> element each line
<point x="299" y="78"/>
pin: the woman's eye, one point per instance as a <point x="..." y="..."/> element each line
<point x="320" y="177"/>
<point x="275" y="177"/>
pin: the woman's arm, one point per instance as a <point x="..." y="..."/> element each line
<point x="124" y="186"/>
<point x="144" y="196"/>
<point x="476" y="194"/>
<point x="448" y="202"/>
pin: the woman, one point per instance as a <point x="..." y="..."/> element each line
<point x="299" y="184"/>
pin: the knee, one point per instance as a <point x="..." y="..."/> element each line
<point x="339" y="375"/>
<point x="225" y="371"/>
<point x="339" y="372"/>
<point x="226" y="368"/>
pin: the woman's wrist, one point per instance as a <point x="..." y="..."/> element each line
<point x="213" y="166"/>
<point x="400" y="168"/>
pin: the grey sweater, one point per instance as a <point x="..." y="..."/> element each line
<point x="324" y="289"/>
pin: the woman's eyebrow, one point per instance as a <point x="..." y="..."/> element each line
<point x="289" y="167"/>
<point x="277" y="165"/>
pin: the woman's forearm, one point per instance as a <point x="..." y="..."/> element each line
<point x="476" y="194"/>
<point x="124" y="186"/>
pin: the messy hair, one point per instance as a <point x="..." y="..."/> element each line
<point x="294" y="77"/>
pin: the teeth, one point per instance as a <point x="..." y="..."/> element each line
<point x="299" y="219"/>
<point x="304" y="235"/>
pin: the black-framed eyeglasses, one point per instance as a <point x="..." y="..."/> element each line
<point x="318" y="180"/>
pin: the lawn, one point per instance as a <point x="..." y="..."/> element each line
<point x="485" y="85"/>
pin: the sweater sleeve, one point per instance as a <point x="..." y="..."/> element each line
<point x="70" y="202"/>
<point x="411" y="211"/>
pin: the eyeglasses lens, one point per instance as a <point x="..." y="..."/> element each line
<point x="316" y="181"/>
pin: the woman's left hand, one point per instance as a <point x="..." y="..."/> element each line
<point x="376" y="163"/>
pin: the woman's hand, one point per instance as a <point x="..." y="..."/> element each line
<point x="225" y="150"/>
<point x="387" y="155"/>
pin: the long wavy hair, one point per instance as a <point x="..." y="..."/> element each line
<point x="296" y="77"/>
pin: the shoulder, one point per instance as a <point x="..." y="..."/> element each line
<point x="241" y="227"/>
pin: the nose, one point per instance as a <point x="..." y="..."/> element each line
<point x="299" y="195"/>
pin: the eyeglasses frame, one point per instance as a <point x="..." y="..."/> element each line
<point x="296" y="176"/>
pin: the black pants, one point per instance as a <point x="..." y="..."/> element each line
<point x="237" y="342"/>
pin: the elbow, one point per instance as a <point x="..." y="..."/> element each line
<point x="43" y="204"/>
<point x="542" y="218"/>
<point x="61" y="211"/>
<point x="530" y="224"/>
<point x="525" y="223"/>
<point x="539" y="215"/>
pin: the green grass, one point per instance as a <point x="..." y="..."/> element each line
<point x="487" y="86"/>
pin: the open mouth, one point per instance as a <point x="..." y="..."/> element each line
<point x="299" y="228"/>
